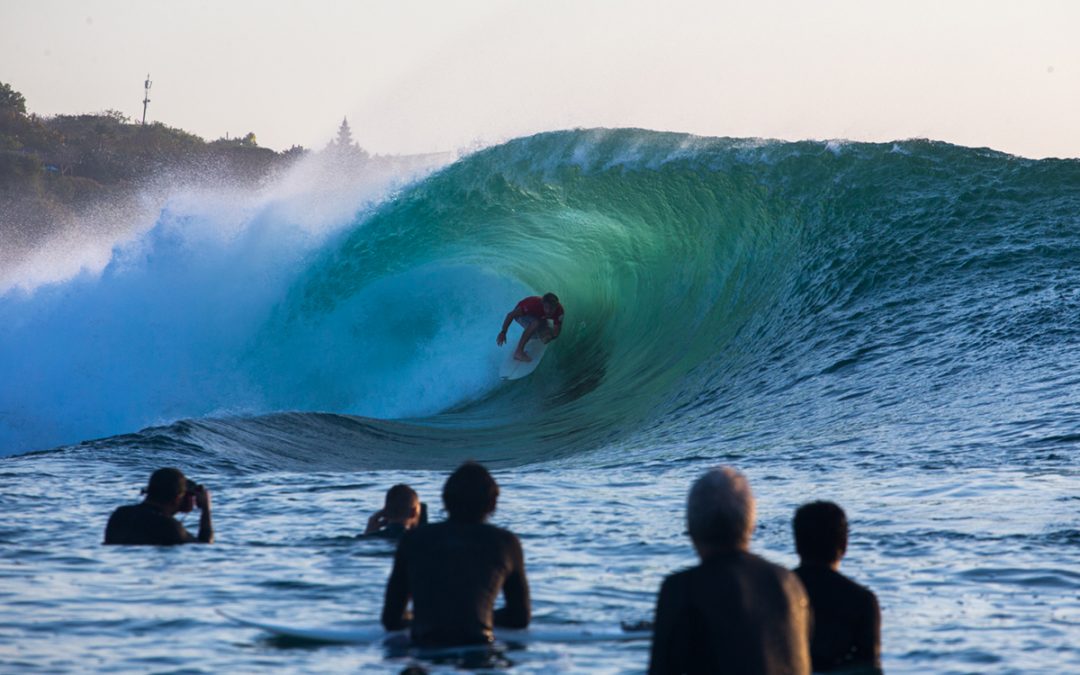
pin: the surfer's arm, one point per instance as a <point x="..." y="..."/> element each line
<point x="513" y="314"/>
<point x="206" y="525"/>
<point x="396" y="601"/>
<point x="867" y="638"/>
<point x="669" y="644"/>
<point x="517" y="611"/>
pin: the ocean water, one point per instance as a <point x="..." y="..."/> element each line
<point x="890" y="326"/>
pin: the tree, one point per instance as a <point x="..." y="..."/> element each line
<point x="344" y="135"/>
<point x="11" y="99"/>
<point x="344" y="148"/>
<point x="116" y="116"/>
<point x="294" y="153"/>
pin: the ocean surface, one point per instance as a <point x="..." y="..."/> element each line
<point x="894" y="327"/>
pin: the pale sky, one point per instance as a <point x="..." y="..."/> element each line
<point x="442" y="75"/>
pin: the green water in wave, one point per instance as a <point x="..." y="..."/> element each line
<point x="696" y="273"/>
<point x="658" y="267"/>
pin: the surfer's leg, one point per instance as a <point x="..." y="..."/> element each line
<point x="530" y="329"/>
<point x="544" y="331"/>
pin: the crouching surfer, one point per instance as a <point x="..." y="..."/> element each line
<point x="538" y="316"/>
<point x="453" y="571"/>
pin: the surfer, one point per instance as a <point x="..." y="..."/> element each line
<point x="847" y="618"/>
<point x="454" y="570"/>
<point x="152" y="523"/>
<point x="542" y="316"/>
<point x="401" y="512"/>
<point x="735" y="612"/>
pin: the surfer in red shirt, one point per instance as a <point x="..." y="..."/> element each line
<point x="537" y="315"/>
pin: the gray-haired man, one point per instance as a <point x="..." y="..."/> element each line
<point x="735" y="612"/>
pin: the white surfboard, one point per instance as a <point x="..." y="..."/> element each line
<point x="374" y="633"/>
<point x="512" y="369"/>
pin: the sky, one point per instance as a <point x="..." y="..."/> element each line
<point x="416" y="76"/>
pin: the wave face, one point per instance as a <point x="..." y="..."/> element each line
<point x="713" y="287"/>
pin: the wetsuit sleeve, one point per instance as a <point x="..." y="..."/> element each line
<point x="182" y="536"/>
<point x="111" y="528"/>
<point x="670" y="646"/>
<point x="868" y="636"/>
<point x="395" y="604"/>
<point x="206" y="528"/>
<point x="517" y="611"/>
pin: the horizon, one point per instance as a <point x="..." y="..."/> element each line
<point x="420" y="77"/>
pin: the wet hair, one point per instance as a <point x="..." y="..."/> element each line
<point x="821" y="532"/>
<point x="165" y="484"/>
<point x="720" y="509"/>
<point x="470" y="493"/>
<point x="551" y="298"/>
<point x="400" y="501"/>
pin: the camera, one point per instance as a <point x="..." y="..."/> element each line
<point x="191" y="493"/>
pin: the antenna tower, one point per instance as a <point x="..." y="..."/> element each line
<point x="146" y="98"/>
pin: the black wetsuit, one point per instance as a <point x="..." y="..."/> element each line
<point x="733" y="613"/>
<point x="454" y="571"/>
<point x="847" y="621"/>
<point x="145" y="524"/>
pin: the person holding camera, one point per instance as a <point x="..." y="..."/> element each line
<point x="152" y="523"/>
<point x="401" y="512"/>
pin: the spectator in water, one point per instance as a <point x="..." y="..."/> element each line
<point x="401" y="512"/>
<point x="454" y="570"/>
<point x="735" y="612"/>
<point x="152" y="523"/>
<point x="847" y="620"/>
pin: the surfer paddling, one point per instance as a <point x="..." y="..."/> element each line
<point x="540" y="316"/>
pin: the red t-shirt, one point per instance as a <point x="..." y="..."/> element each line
<point x="534" y="306"/>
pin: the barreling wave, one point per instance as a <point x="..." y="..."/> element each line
<point x="706" y="282"/>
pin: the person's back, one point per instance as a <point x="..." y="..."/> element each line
<point x="735" y="612"/>
<point x="144" y="524"/>
<point x="456" y="571"/>
<point x="847" y="619"/>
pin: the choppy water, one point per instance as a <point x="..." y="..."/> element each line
<point x="892" y="327"/>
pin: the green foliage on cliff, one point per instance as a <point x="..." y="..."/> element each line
<point x="11" y="99"/>
<point x="110" y="149"/>
<point x="54" y="169"/>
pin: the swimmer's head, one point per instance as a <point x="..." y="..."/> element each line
<point x="166" y="485"/>
<point x="720" y="510"/>
<point x="470" y="493"/>
<point x="402" y="503"/>
<point x="821" y="532"/>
